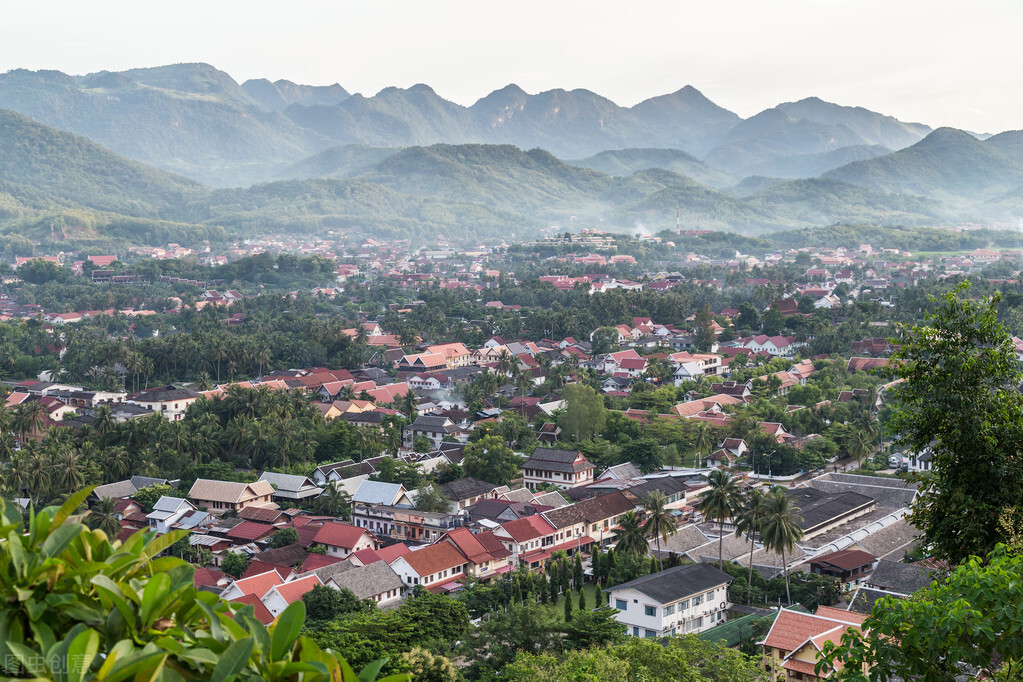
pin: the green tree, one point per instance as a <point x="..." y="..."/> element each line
<point x="150" y="495"/>
<point x="720" y="502"/>
<point x="780" y="529"/>
<point x="234" y="564"/>
<point x="425" y="666"/>
<point x="431" y="499"/>
<point x="326" y="603"/>
<point x="490" y="459"/>
<point x="971" y="618"/>
<point x="530" y="628"/>
<point x="283" y="537"/>
<point x="659" y="524"/>
<point x="959" y="398"/>
<point x="584" y="413"/>
<point x="599" y="627"/>
<point x="629" y="537"/>
<point x="749" y="522"/>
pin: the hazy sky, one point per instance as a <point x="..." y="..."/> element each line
<point x="938" y="62"/>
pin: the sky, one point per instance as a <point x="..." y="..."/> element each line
<point x="936" y="62"/>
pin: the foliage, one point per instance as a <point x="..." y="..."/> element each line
<point x="431" y="498"/>
<point x="490" y="459"/>
<point x="283" y="537"/>
<point x="973" y="617"/>
<point x="720" y="502"/>
<point x="327" y="603"/>
<point x="598" y="627"/>
<point x="77" y="607"/>
<point x="780" y="529"/>
<point x="959" y="397"/>
<point x="234" y="564"/>
<point x="687" y="659"/>
<point x="148" y="496"/>
<point x="583" y="416"/>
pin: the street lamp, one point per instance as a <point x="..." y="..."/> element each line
<point x="769" y="456"/>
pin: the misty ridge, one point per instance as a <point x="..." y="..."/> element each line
<point x="294" y="157"/>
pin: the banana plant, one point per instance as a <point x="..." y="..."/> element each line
<point x="76" y="607"/>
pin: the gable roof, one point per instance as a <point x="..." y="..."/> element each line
<point x="467" y="488"/>
<point x="548" y="459"/>
<point x="791" y="628"/>
<point x="592" y="510"/>
<point x="434" y="558"/>
<point x="293" y="591"/>
<point x="228" y="491"/>
<point x="367" y="581"/>
<point x="258" y="584"/>
<point x="528" y="528"/>
<point x="260" y="611"/>
<point x="378" y="492"/>
<point x="342" y="535"/>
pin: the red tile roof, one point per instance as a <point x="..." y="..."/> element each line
<point x="367" y="556"/>
<point x="250" y="531"/>
<point x="207" y="577"/>
<point x="392" y="552"/>
<point x="314" y="561"/>
<point x="792" y="628"/>
<point x="262" y="614"/>
<point x="528" y="528"/>
<point x="342" y="535"/>
<point x="257" y="567"/>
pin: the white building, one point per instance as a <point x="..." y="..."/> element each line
<point x="675" y="601"/>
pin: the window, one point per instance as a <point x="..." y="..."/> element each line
<point x="683" y="605"/>
<point x="668" y="610"/>
<point x="698" y="623"/>
<point x="621" y="604"/>
<point x="635" y="631"/>
<point x="649" y="610"/>
<point x="709" y="596"/>
<point x="649" y="634"/>
<point x="697" y="600"/>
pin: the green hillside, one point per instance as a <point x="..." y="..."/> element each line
<point x="623" y="162"/>
<point x="337" y="162"/>
<point x="947" y="164"/>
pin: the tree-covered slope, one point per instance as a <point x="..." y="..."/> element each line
<point x="623" y="162"/>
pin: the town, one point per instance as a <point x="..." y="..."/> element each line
<point x="691" y="442"/>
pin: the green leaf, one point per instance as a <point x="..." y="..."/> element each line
<point x="152" y="597"/>
<point x="29" y="658"/>
<point x="80" y="654"/>
<point x="286" y="630"/>
<point x="70" y="505"/>
<point x="57" y="541"/>
<point x="371" y="670"/>
<point x="233" y="660"/>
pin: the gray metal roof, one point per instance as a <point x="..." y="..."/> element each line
<point x="894" y="576"/>
<point x="377" y="492"/>
<point x="676" y="583"/>
<point x="368" y="581"/>
<point x="115" y="491"/>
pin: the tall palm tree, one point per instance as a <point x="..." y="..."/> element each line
<point x="659" y="522"/>
<point x="781" y="530"/>
<point x="704" y="439"/>
<point x="629" y="536"/>
<point x="720" y="502"/>
<point x="333" y="501"/>
<point x="29" y="418"/>
<point x="750" y="521"/>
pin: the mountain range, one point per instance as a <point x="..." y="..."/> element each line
<point x="145" y="152"/>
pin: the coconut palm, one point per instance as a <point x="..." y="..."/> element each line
<point x="629" y="536"/>
<point x="103" y="516"/>
<point x="29" y="418"/>
<point x="704" y="439"/>
<point x="659" y="524"/>
<point x="333" y="501"/>
<point x="781" y="530"/>
<point x="720" y="502"/>
<point x="752" y="510"/>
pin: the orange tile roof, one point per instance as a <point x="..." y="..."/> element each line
<point x="434" y="558"/>
<point x="258" y="584"/>
<point x="791" y="629"/>
<point x="392" y="552"/>
<point x="339" y="535"/>
<point x="528" y="528"/>
<point x="293" y="591"/>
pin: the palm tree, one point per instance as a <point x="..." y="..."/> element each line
<point x="659" y="522"/>
<point x="752" y="511"/>
<point x="859" y="444"/>
<point x="103" y="516"/>
<point x="29" y="418"/>
<point x="333" y="501"/>
<point x="704" y="439"/>
<point x="629" y="536"/>
<point x="781" y="530"/>
<point x="720" y="502"/>
<point x="506" y="363"/>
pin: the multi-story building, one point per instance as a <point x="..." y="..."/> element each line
<point x="561" y="468"/>
<point x="674" y="601"/>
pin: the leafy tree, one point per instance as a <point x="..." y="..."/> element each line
<point x="431" y="499"/>
<point x="594" y="628"/>
<point x="283" y="537"/>
<point x="234" y="564"/>
<point x="604" y="340"/>
<point x="584" y="413"/>
<point x="326" y="603"/>
<point x="704" y="329"/>
<point x="958" y="397"/>
<point x="490" y="459"/>
<point x="150" y="495"/>
<point x="973" y="618"/>
<point x="688" y="659"/>
<point x="772" y="322"/>
<point x="425" y="666"/>
<point x="645" y="453"/>
<point x="720" y="502"/>
<point x="530" y="628"/>
<point x="568" y="606"/>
